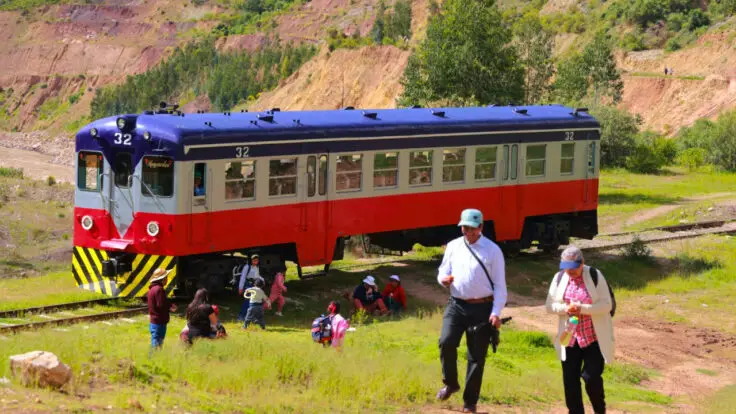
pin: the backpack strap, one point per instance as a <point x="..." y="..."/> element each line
<point x="594" y="275"/>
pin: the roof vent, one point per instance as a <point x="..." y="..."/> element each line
<point x="415" y="106"/>
<point x="275" y="110"/>
<point x="371" y="115"/>
<point x="148" y="112"/>
<point x="440" y="114"/>
<point x="520" y="111"/>
<point x="267" y="118"/>
<point x="577" y="111"/>
<point x="349" y="108"/>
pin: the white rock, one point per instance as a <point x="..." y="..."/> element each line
<point x="4" y="381"/>
<point x="40" y="367"/>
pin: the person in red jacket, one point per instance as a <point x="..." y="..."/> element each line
<point x="158" y="307"/>
<point x="394" y="295"/>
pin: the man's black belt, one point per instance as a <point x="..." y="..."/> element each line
<point x="487" y="299"/>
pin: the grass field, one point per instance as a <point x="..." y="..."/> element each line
<point x="623" y="196"/>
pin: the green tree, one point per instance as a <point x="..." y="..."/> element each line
<point x="401" y="21"/>
<point x="378" y="30"/>
<point x="571" y="83"/>
<point x="600" y="65"/>
<point x="618" y="135"/>
<point x="465" y="58"/>
<point x="534" y="43"/>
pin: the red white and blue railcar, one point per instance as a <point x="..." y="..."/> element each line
<point x="196" y="193"/>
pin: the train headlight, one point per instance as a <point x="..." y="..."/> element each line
<point x="121" y="122"/>
<point x="94" y="132"/>
<point x="87" y="222"/>
<point x="147" y="136"/>
<point x="152" y="228"/>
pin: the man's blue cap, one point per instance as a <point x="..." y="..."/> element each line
<point x="569" y="264"/>
<point x="471" y="217"/>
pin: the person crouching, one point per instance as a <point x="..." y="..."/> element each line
<point x="257" y="297"/>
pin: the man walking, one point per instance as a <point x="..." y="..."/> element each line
<point x="474" y="270"/>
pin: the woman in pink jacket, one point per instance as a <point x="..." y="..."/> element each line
<point x="277" y="293"/>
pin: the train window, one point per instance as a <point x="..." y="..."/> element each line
<point x="200" y="179"/>
<point x="348" y="172"/>
<point x="322" y="174"/>
<point x="514" y="160"/>
<point x="282" y="177"/>
<point x="453" y="165"/>
<point x="386" y="169"/>
<point x="89" y="170"/>
<point x="591" y="158"/>
<point x="240" y="180"/>
<point x="311" y="175"/>
<point x="505" y="162"/>
<point x="535" y="155"/>
<point x="420" y="167"/>
<point x="123" y="169"/>
<point x="485" y="163"/>
<point x="158" y="176"/>
<point x="567" y="158"/>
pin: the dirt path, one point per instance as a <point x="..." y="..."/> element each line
<point x="35" y="164"/>
<point x="694" y="363"/>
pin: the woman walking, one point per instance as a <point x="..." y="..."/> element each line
<point x="579" y="295"/>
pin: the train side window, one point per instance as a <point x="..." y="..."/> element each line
<point x="567" y="158"/>
<point x="311" y="175"/>
<point x="386" y="169"/>
<point x="348" y="172"/>
<point x="505" y="162"/>
<point x="453" y="165"/>
<point x="322" y="174"/>
<point x="158" y="175"/>
<point x="240" y="180"/>
<point x="200" y="179"/>
<point x="591" y="158"/>
<point x="89" y="168"/>
<point x="420" y="167"/>
<point x="485" y="163"/>
<point x="282" y="177"/>
<point x="514" y="160"/>
<point x="535" y="160"/>
<point x="123" y="169"/>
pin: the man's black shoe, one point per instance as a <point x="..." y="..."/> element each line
<point x="446" y="392"/>
<point x="469" y="409"/>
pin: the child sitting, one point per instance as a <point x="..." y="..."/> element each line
<point x="340" y="325"/>
<point x="257" y="297"/>
<point x="277" y="293"/>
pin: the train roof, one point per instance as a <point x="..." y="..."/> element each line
<point x="219" y="128"/>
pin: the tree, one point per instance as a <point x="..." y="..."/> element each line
<point x="571" y="83"/>
<point x="401" y="20"/>
<point x="534" y="43"/>
<point x="600" y="64"/>
<point x="465" y="58"/>
<point x="378" y="30"/>
<point x="618" y="135"/>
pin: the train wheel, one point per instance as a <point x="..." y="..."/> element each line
<point x="327" y="268"/>
<point x="550" y="248"/>
<point x="299" y="271"/>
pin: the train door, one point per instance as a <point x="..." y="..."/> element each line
<point x="121" y="197"/>
<point x="589" y="171"/>
<point x="314" y="219"/>
<point x="201" y="201"/>
<point x="507" y="227"/>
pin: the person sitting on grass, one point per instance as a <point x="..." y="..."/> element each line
<point x="395" y="295"/>
<point x="367" y="297"/>
<point x="201" y="317"/>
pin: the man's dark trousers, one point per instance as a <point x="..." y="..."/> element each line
<point x="459" y="316"/>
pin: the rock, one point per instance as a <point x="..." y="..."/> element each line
<point x="40" y="368"/>
<point x="4" y="381"/>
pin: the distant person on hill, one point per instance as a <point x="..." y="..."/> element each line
<point x="395" y="295"/>
<point x="580" y="297"/>
<point x="665" y="71"/>
<point x="158" y="307"/>
<point x="367" y="297"/>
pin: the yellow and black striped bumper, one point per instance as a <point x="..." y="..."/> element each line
<point x="87" y="271"/>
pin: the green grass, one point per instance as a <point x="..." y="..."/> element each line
<point x="706" y="372"/>
<point x="53" y="288"/>
<point x="623" y="195"/>
<point x="723" y="402"/>
<point x="662" y="75"/>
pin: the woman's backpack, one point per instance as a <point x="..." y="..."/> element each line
<point x="322" y="329"/>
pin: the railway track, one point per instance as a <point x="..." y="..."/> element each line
<point x="74" y="319"/>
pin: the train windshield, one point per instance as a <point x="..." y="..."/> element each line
<point x="89" y="171"/>
<point x="158" y="176"/>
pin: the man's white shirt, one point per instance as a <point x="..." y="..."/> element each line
<point x="470" y="281"/>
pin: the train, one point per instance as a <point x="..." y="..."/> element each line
<point x="199" y="193"/>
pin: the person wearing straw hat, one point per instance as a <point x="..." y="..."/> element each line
<point x="395" y="295"/>
<point x="367" y="297"/>
<point x="473" y="268"/>
<point x="158" y="306"/>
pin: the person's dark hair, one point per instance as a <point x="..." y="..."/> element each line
<point x="335" y="305"/>
<point x="202" y="297"/>
<point x="259" y="283"/>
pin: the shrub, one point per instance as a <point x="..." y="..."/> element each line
<point x="632" y="41"/>
<point x="637" y="249"/>
<point x="618" y="132"/>
<point x="697" y="19"/>
<point x="673" y="45"/>
<point x="11" y="172"/>
<point x="643" y="159"/>
<point x="692" y="158"/>
<point x="51" y="180"/>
